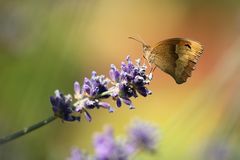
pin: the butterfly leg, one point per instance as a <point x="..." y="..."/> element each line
<point x="154" y="68"/>
<point x="151" y="71"/>
<point x="143" y="58"/>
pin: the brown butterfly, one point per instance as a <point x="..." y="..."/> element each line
<point x="175" y="56"/>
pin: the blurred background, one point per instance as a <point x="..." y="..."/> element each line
<point x="47" y="45"/>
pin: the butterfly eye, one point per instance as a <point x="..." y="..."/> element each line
<point x="146" y="48"/>
<point x="187" y="45"/>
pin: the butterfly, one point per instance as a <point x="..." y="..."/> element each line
<point x="175" y="56"/>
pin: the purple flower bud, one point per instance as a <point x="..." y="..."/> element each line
<point x="57" y="94"/>
<point x="87" y="116"/>
<point x="114" y="73"/>
<point x="54" y="101"/>
<point x="127" y="101"/>
<point x="94" y="74"/>
<point x="128" y="59"/>
<point x="119" y="103"/>
<point x="143" y="91"/>
<point x="87" y="82"/>
<point x="130" y="65"/>
<point x="104" y="105"/>
<point x="124" y="67"/>
<point x="76" y="87"/>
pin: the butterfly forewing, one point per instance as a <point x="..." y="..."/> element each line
<point x="164" y="57"/>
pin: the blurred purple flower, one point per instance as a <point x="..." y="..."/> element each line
<point x="142" y="136"/>
<point x="218" y="150"/>
<point x="107" y="148"/>
<point x="77" y="154"/>
<point x="128" y="82"/>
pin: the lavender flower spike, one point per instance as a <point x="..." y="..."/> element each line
<point x="125" y="83"/>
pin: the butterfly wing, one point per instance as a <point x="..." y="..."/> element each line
<point x="177" y="57"/>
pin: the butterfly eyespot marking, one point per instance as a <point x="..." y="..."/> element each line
<point x="187" y="45"/>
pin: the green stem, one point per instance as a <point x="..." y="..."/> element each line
<point x="26" y="130"/>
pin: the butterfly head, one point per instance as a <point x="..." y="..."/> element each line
<point x="146" y="48"/>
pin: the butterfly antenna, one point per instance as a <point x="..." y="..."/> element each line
<point x="137" y="40"/>
<point x="141" y="39"/>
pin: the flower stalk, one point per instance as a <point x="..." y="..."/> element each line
<point x="26" y="130"/>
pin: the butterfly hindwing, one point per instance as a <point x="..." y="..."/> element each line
<point x="188" y="52"/>
<point x="177" y="57"/>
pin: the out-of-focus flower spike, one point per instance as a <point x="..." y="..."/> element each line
<point x="143" y="136"/>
